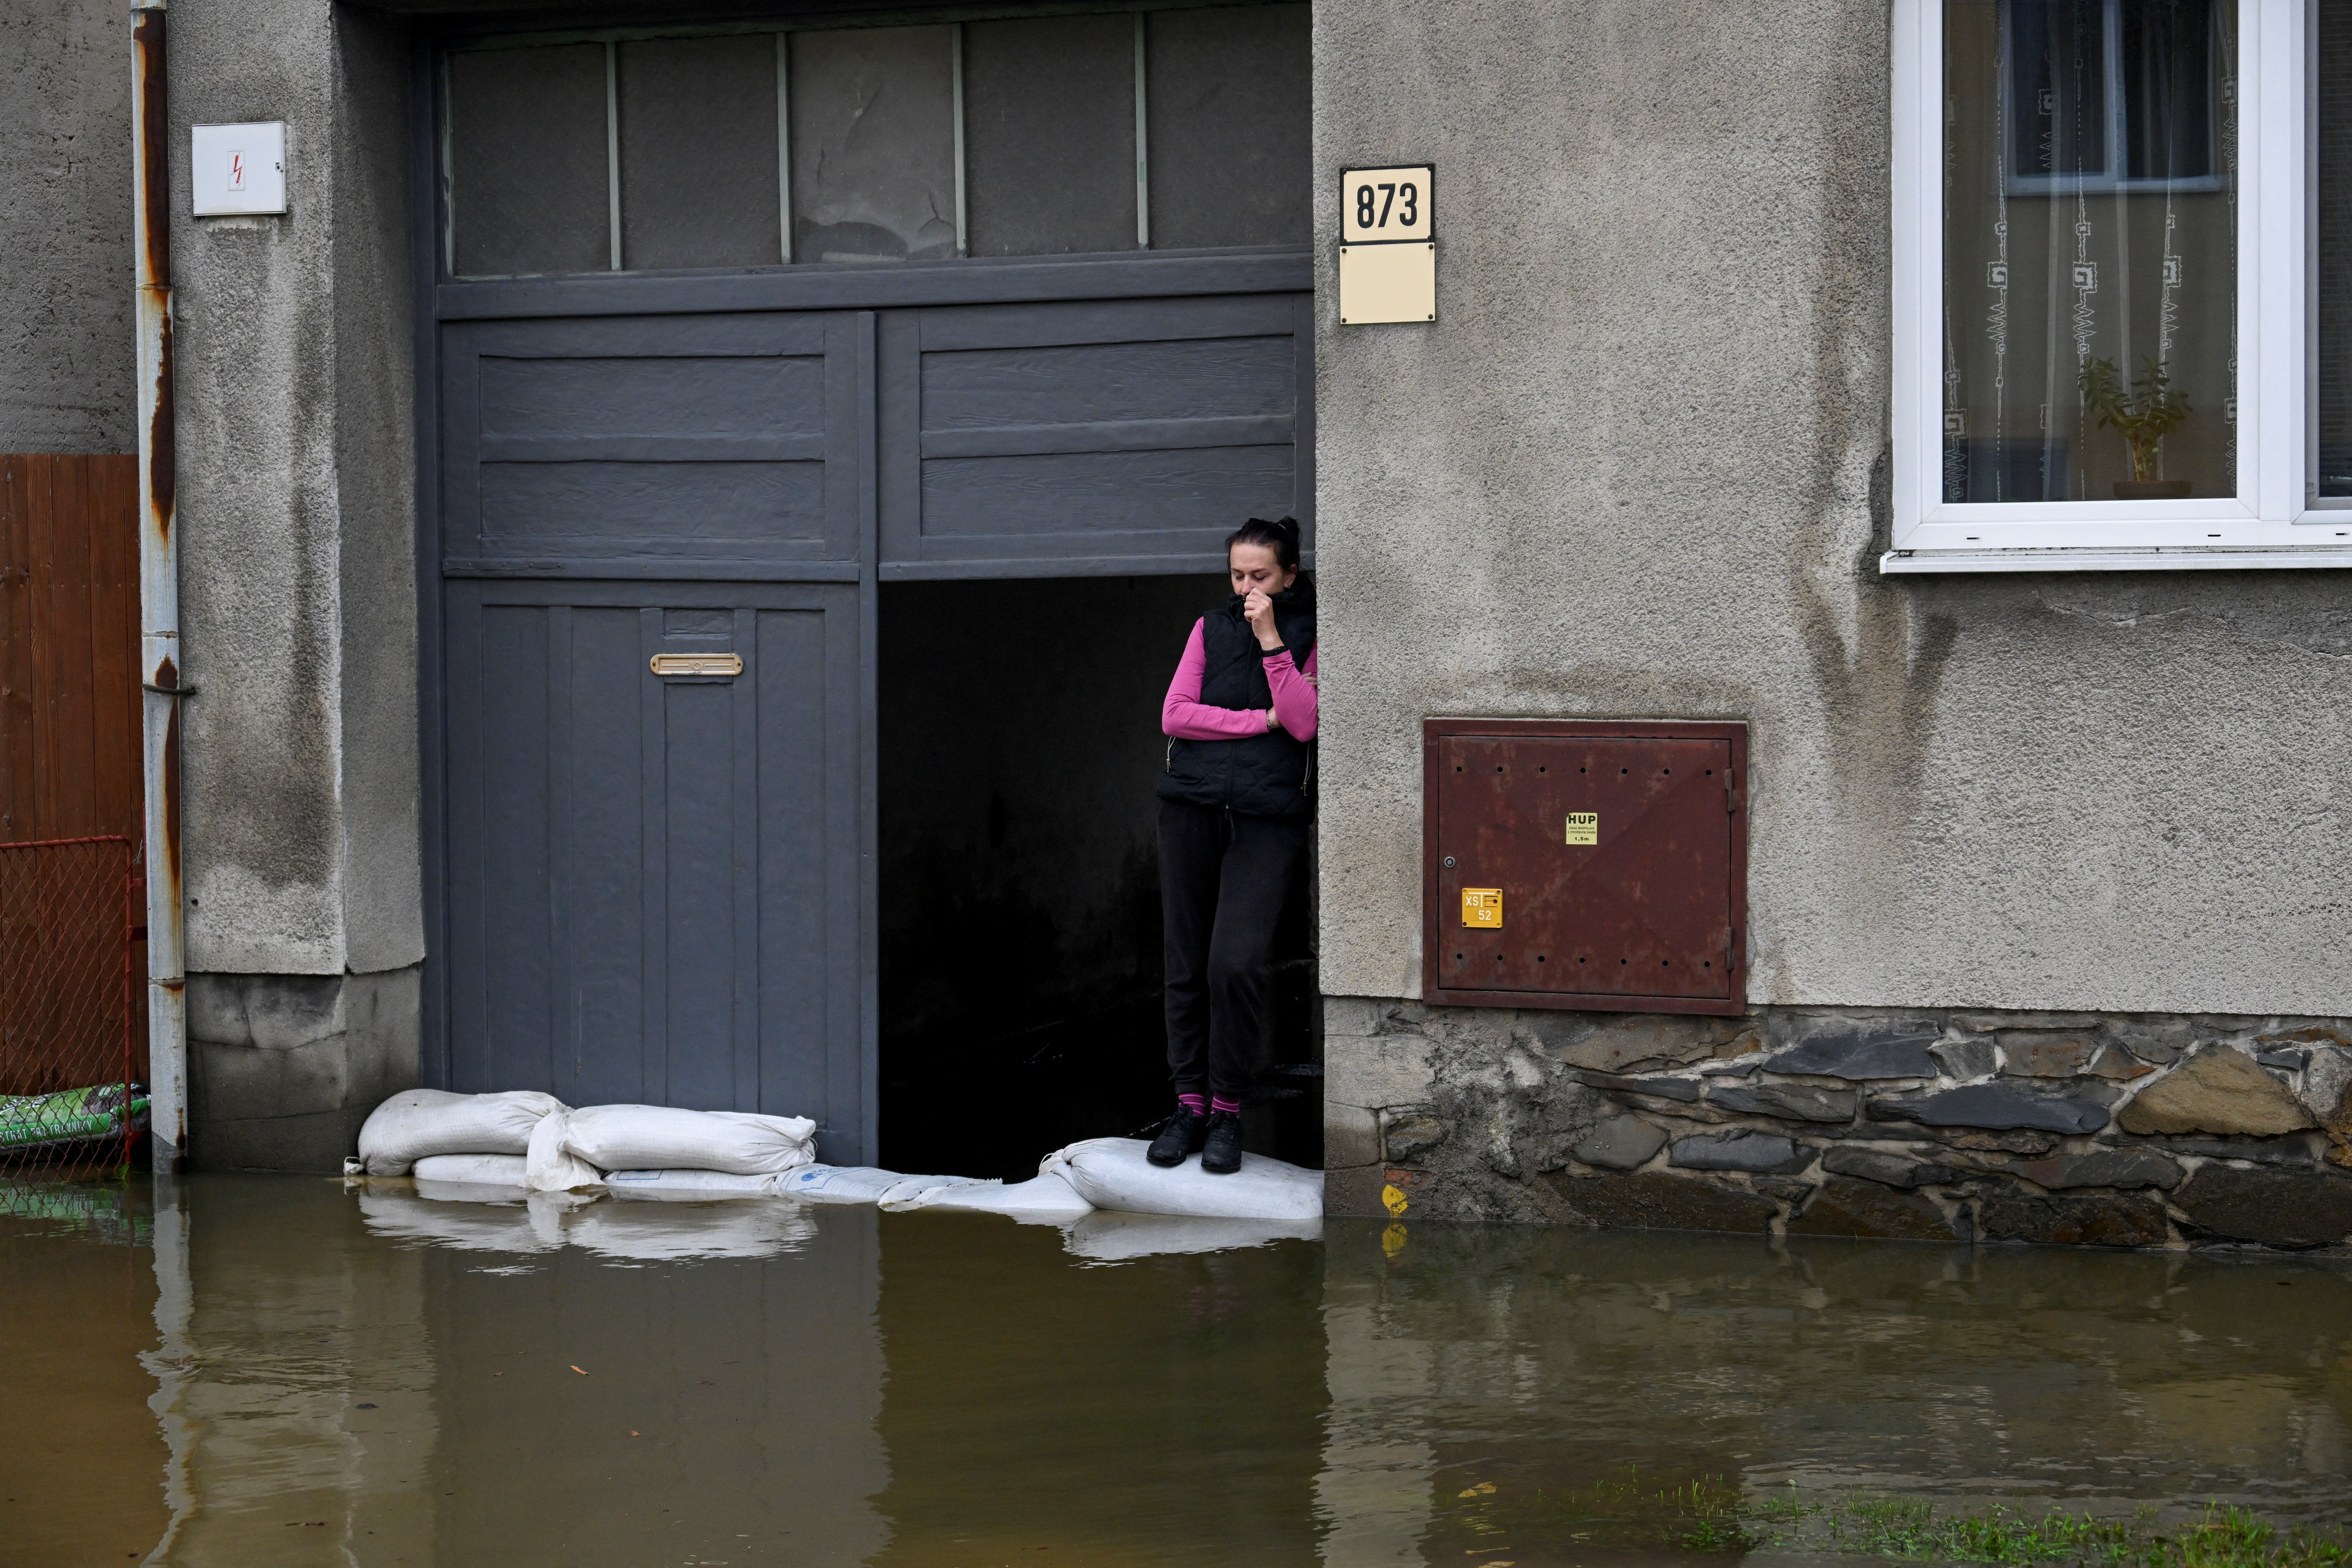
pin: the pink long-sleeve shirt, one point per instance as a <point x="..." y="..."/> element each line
<point x="1185" y="717"/>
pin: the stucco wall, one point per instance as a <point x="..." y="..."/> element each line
<point x="67" y="352"/>
<point x="297" y="589"/>
<point x="1637" y="468"/>
<point x="297" y="504"/>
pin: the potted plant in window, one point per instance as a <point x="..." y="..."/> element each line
<point x="2144" y="416"/>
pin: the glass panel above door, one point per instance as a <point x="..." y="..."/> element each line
<point x="1049" y="134"/>
<point x="873" y="121"/>
<point x="527" y="147"/>
<point x="697" y="143"/>
<point x="740" y="145"/>
<point x="2090" y="270"/>
<point x="1232" y="122"/>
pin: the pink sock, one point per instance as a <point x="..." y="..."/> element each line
<point x="1193" y="1103"/>
<point x="1224" y="1107"/>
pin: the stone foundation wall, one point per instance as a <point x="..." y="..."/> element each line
<point x="284" y="1067"/>
<point x="1931" y="1125"/>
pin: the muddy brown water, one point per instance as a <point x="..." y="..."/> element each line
<point x="261" y="1371"/>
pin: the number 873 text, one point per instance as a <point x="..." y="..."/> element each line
<point x="1375" y="203"/>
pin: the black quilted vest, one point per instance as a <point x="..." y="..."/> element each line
<point x="1259" y="775"/>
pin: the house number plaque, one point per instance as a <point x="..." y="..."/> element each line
<point x="1387" y="245"/>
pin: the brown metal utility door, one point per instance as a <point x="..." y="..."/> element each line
<point x="1617" y="859"/>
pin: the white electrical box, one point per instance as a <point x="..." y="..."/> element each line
<point x="239" y="169"/>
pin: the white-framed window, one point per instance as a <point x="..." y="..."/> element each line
<point x="2113" y="319"/>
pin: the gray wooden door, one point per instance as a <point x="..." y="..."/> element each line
<point x="660" y="888"/>
<point x="653" y="882"/>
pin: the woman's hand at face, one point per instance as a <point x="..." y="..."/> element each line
<point x="1258" y="610"/>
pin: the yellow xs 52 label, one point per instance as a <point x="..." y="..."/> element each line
<point x="1482" y="907"/>
<point x="1584" y="828"/>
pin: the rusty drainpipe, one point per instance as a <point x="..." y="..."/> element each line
<point x="159" y="593"/>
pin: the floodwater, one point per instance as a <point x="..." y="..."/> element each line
<point x="255" y="1370"/>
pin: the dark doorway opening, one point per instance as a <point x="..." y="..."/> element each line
<point x="1019" y="741"/>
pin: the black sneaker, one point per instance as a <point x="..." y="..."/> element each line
<point x="1180" y="1135"/>
<point x="1221" y="1154"/>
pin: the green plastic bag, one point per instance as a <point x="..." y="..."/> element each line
<point x="68" y="1116"/>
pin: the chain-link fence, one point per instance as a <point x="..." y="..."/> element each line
<point x="69" y="1089"/>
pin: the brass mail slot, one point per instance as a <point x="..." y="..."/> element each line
<point x="699" y="664"/>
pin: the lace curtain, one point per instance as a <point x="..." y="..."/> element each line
<point x="2090" y="249"/>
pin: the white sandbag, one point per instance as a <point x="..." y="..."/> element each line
<point x="505" y="1171"/>
<point x="920" y="1193"/>
<point x="663" y="1137"/>
<point x="1105" y="1236"/>
<point x="661" y="1232"/>
<point x="689" y="1186"/>
<point x="417" y="1122"/>
<point x="1112" y="1173"/>
<point x="838" y="1183"/>
<point x="549" y="1166"/>
<point x="1048" y="1199"/>
<point x="906" y="1187"/>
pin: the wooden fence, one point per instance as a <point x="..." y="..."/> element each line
<point x="69" y="698"/>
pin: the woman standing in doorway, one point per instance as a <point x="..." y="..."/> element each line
<point x="1234" y="809"/>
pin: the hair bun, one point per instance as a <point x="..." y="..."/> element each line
<point x="1279" y="534"/>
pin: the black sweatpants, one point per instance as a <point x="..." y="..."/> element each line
<point x="1222" y="881"/>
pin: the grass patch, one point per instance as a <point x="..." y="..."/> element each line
<point x="1705" y="1515"/>
<point x="1908" y="1527"/>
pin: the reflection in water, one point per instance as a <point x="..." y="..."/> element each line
<point x="82" y="1460"/>
<point x="1107" y="1237"/>
<point x="1568" y="1369"/>
<point x="1167" y="1409"/>
<point x="272" y="1330"/>
<point x="722" y="1409"/>
<point x="639" y="1229"/>
<point x="262" y="1370"/>
<point x="532" y="1225"/>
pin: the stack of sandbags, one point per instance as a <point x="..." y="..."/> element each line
<point x="524" y="1140"/>
<point x="486" y="1145"/>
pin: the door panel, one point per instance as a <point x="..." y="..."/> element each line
<point x="653" y="882"/>
<point x="654" y="885"/>
<point x="730" y="441"/>
<point x="1091" y="438"/>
